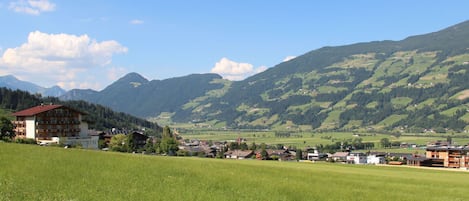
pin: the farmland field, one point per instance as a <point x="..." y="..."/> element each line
<point x="304" y="139"/>
<point x="30" y="172"/>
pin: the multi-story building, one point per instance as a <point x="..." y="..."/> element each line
<point x="54" y="124"/>
<point x="452" y="157"/>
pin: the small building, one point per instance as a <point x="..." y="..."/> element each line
<point x="339" y="156"/>
<point x="424" y="161"/>
<point x="356" y="158"/>
<point x="376" y="158"/>
<point x="54" y="124"/>
<point x="239" y="154"/>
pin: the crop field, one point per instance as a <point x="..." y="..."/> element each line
<point x="30" y="172"/>
<point x="304" y="139"/>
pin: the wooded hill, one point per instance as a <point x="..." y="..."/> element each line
<point x="101" y="117"/>
<point x="414" y="84"/>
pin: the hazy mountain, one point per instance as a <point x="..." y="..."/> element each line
<point x="136" y="95"/>
<point x="11" y="82"/>
<point x="413" y="84"/>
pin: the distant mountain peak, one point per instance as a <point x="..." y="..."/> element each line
<point x="11" y="82"/>
<point x="133" y="77"/>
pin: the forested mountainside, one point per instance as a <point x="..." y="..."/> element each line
<point x="135" y="95"/>
<point x="416" y="83"/>
<point x="101" y="117"/>
<point x="413" y="84"/>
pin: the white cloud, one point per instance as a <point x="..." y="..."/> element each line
<point x="115" y="73"/>
<point x="58" y="58"/>
<point x="32" y="7"/>
<point x="136" y="21"/>
<point x="232" y="70"/>
<point x="288" y="58"/>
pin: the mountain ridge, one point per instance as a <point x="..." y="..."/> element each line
<point x="11" y="82"/>
<point x="413" y="84"/>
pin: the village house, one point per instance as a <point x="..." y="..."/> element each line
<point x="239" y="154"/>
<point x="356" y="158"/>
<point x="54" y="124"/>
<point x="339" y="156"/>
<point x="376" y="158"/>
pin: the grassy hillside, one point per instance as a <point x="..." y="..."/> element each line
<point x="45" y="173"/>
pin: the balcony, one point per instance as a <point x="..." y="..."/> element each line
<point x="19" y="122"/>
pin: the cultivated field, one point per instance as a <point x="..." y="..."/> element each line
<point x="304" y="139"/>
<point x="30" y="172"/>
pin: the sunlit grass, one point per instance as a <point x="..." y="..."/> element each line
<point x="47" y="173"/>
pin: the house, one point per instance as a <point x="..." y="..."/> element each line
<point x="356" y="158"/>
<point x="315" y="156"/>
<point x="54" y="124"/>
<point x="376" y="158"/>
<point x="239" y="154"/>
<point x="139" y="139"/>
<point x="417" y="160"/>
<point x="339" y="156"/>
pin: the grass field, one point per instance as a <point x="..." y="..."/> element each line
<point x="30" y="172"/>
<point x="304" y="139"/>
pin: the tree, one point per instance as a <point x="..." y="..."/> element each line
<point x="118" y="143"/>
<point x="385" y="142"/>
<point x="264" y="154"/>
<point x="6" y="128"/>
<point x="168" y="144"/>
<point x="299" y="154"/>
<point x="167" y="132"/>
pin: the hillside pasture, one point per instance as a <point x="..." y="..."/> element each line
<point x="46" y="173"/>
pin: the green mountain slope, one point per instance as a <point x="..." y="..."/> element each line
<point x="417" y="83"/>
<point x="135" y="95"/>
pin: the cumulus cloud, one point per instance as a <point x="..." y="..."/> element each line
<point x="288" y="58"/>
<point x="57" y="57"/>
<point x="32" y="7"/>
<point x="115" y="73"/>
<point x="232" y="70"/>
<point x="136" y="21"/>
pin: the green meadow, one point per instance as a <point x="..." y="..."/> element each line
<point x="30" y="172"/>
<point x="305" y="139"/>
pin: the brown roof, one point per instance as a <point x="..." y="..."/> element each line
<point x="39" y="109"/>
<point x="340" y="154"/>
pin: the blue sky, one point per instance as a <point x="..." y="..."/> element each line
<point x="90" y="44"/>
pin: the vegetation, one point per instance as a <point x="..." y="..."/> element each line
<point x="47" y="173"/>
<point x="101" y="117"/>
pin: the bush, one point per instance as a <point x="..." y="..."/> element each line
<point x="6" y="139"/>
<point x="25" y="141"/>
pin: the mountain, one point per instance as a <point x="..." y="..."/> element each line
<point x="133" y="94"/>
<point x="416" y="83"/>
<point x="11" y="82"/>
<point x="413" y="85"/>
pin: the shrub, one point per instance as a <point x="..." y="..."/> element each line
<point x="25" y="141"/>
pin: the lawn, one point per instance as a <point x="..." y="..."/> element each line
<point x="30" y="172"/>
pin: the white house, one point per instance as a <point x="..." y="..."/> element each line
<point x="356" y="158"/>
<point x="376" y="159"/>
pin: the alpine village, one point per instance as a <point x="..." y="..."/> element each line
<point x="387" y="104"/>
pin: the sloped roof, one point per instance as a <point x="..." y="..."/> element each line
<point x="40" y="109"/>
<point x="340" y="154"/>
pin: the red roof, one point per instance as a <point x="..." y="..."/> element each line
<point x="38" y="109"/>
